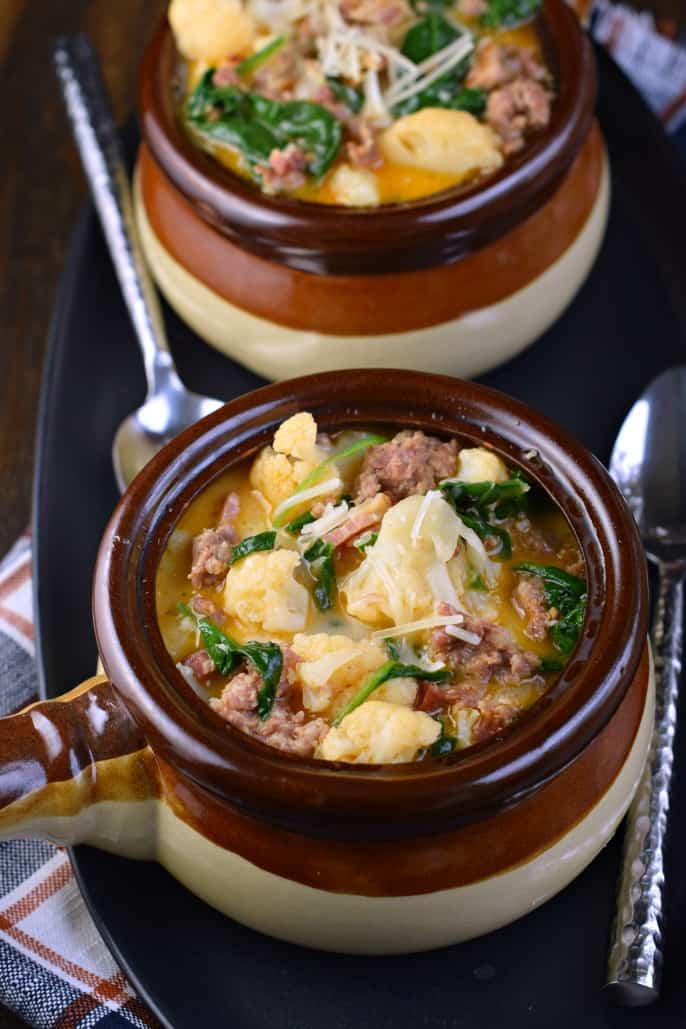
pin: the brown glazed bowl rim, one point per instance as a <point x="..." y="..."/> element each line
<point x="322" y="798"/>
<point x="331" y="239"/>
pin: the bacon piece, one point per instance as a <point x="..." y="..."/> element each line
<point x="362" y="518"/>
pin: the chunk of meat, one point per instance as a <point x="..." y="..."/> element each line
<point x="208" y="609"/>
<point x="362" y="518"/>
<point x="376" y="12"/>
<point x="212" y="547"/>
<point x="495" y="65"/>
<point x="285" y="729"/>
<point x="528" y="598"/>
<point x="409" y="463"/>
<point x="493" y="718"/>
<point x="200" y="664"/>
<point x="495" y="658"/>
<point x="571" y="560"/>
<point x="285" y="170"/>
<point x="362" y="148"/>
<point x="516" y="110"/>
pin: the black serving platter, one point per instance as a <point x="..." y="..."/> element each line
<point x="196" y="968"/>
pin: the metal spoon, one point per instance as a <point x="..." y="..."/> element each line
<point x="649" y="465"/>
<point x="169" y="407"/>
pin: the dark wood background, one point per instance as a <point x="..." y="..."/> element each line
<point x="41" y="189"/>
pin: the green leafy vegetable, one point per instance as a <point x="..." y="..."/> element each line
<point x="445" y="744"/>
<point x="567" y="593"/>
<point x="298" y="523"/>
<point x="389" y="670"/>
<point x="392" y="649"/>
<point x="474" y="580"/>
<point x="508" y="12"/>
<point x="367" y="539"/>
<point x="266" y="657"/>
<point x="446" y="92"/>
<point x="476" y="501"/>
<point x="319" y="558"/>
<point x="252" y="544"/>
<point x="430" y="34"/>
<point x="549" y="665"/>
<point x="250" y="64"/>
<point x="256" y="125"/>
<point x="345" y="94"/>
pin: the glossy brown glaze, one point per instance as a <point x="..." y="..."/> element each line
<point x="374" y="802"/>
<point x="364" y="304"/>
<point x="438" y="229"/>
<point x="54" y="740"/>
<point x="423" y="865"/>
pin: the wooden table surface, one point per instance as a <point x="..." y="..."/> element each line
<point x="41" y="189"/>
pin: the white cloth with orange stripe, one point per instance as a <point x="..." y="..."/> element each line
<point x="55" y="970"/>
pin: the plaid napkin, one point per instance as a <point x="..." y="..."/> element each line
<point x="55" y="970"/>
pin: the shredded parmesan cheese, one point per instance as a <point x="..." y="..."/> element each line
<point x="421" y="514"/>
<point x="463" y="634"/>
<point x="428" y="71"/>
<point x="332" y="517"/>
<point x="422" y="623"/>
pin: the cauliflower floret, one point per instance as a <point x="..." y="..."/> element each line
<point x="379" y="733"/>
<point x="331" y="664"/>
<point x="278" y="470"/>
<point x="211" y="29"/>
<point x="478" y="464"/>
<point x="354" y="187"/>
<point x="395" y="579"/>
<point x="261" y="590"/>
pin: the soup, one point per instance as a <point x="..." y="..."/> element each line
<point x="371" y="597"/>
<point x="362" y="102"/>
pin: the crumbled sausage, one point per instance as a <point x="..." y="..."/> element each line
<point x="361" y="519"/>
<point x="200" y="664"/>
<point x="528" y="598"/>
<point x="515" y="110"/>
<point x="362" y="148"/>
<point x="212" y="547"/>
<point x="285" y="169"/>
<point x="495" y="658"/>
<point x="284" y="729"/>
<point x="410" y="463"/>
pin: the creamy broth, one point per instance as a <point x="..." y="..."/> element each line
<point x="507" y="656"/>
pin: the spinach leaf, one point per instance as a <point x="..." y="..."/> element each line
<point x="252" y="544"/>
<point x="345" y="94"/>
<point x="319" y="558"/>
<point x="429" y="35"/>
<point x="568" y="595"/>
<point x="389" y="670"/>
<point x="549" y="665"/>
<point x="446" y="92"/>
<point x="250" y="64"/>
<point x="508" y="12"/>
<point x="445" y="744"/>
<point x="224" y="651"/>
<point x="297" y="524"/>
<point x="256" y="125"/>
<point x="474" y="501"/>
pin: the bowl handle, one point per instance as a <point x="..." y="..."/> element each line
<point x="77" y="770"/>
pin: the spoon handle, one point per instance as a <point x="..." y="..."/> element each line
<point x="635" y="957"/>
<point x="95" y="131"/>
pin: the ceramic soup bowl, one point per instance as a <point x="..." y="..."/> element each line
<point x="457" y="282"/>
<point x="357" y="858"/>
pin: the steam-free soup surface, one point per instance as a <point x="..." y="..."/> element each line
<point x="362" y="102"/>
<point x="371" y="596"/>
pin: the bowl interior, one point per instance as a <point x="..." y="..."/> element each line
<point x="468" y="783"/>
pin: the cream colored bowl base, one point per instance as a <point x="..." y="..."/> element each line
<point x="466" y="346"/>
<point x="300" y="914"/>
